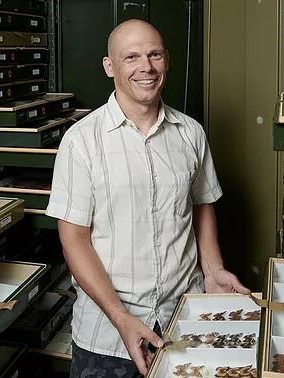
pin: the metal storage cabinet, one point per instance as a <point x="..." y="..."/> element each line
<point x="181" y="25"/>
<point x="84" y="27"/>
<point x="244" y="74"/>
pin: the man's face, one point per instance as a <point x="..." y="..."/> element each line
<point x="138" y="63"/>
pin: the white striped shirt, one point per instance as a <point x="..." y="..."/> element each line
<point x="136" y="193"/>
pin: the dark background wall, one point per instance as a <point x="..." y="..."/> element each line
<point x="83" y="28"/>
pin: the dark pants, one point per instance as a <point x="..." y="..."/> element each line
<point x="86" y="364"/>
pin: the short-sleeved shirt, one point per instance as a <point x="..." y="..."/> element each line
<point x="136" y="192"/>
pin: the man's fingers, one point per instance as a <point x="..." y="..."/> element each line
<point x="241" y="288"/>
<point x="139" y="356"/>
<point x="155" y="340"/>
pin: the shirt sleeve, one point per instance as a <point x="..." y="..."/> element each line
<point x="71" y="196"/>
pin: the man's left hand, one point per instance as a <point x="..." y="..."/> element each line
<point x="223" y="281"/>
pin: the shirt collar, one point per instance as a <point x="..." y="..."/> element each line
<point x="115" y="112"/>
<point x="118" y="117"/>
<point x="167" y="113"/>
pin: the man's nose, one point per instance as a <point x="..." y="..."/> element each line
<point x="146" y="64"/>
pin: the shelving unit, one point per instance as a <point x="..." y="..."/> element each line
<point x="32" y="123"/>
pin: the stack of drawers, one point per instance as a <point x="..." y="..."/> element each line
<point x="32" y="121"/>
<point x="24" y="53"/>
<point x="20" y="285"/>
<point x="28" y="145"/>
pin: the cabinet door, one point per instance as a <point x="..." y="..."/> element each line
<point x="180" y="23"/>
<point x="83" y="31"/>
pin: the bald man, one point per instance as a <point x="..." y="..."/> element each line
<point x="133" y="188"/>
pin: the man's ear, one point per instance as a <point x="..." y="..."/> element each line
<point x="108" y="66"/>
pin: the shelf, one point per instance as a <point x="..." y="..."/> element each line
<point x="28" y="157"/>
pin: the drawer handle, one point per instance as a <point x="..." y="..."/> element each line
<point x="7" y="306"/>
<point x="271" y="305"/>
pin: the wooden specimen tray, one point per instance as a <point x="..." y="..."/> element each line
<point x="272" y="332"/>
<point x="209" y="332"/>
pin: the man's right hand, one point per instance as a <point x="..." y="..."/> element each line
<point x="135" y="335"/>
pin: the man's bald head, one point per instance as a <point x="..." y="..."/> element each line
<point x="127" y="27"/>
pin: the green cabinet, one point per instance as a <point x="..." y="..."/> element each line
<point x="83" y="31"/>
<point x="243" y="77"/>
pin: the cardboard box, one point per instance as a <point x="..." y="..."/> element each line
<point x="209" y="332"/>
<point x="272" y="331"/>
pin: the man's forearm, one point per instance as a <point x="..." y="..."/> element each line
<point x="205" y="228"/>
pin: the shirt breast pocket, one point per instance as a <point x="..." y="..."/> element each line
<point x="182" y="198"/>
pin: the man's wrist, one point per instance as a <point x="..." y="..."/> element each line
<point x="212" y="269"/>
<point x="118" y="316"/>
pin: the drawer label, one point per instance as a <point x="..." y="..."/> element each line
<point x="35" y="39"/>
<point x="37" y="56"/>
<point x="65" y="105"/>
<point x="35" y="72"/>
<point x="35" y="88"/>
<point x="32" y="113"/>
<point x="34" y="23"/>
<point x="2" y="56"/>
<point x="33" y="292"/>
<point x="5" y="221"/>
<point x="55" y="133"/>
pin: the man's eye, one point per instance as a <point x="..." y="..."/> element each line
<point x="130" y="58"/>
<point x="156" y="55"/>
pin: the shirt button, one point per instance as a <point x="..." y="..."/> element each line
<point x="158" y="243"/>
<point x="155" y="209"/>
